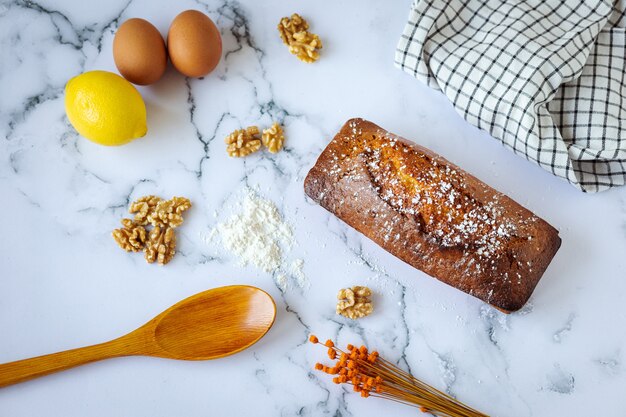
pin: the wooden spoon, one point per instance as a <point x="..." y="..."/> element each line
<point x="208" y="325"/>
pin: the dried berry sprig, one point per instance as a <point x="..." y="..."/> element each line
<point x="371" y="375"/>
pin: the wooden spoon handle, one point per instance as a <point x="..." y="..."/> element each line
<point x="23" y="370"/>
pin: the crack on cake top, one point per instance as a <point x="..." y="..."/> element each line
<point x="432" y="193"/>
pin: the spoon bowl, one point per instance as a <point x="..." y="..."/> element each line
<point x="214" y="324"/>
<point x="209" y="325"/>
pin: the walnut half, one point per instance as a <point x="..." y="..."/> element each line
<point x="169" y="212"/>
<point x="161" y="246"/>
<point x="132" y="237"/>
<point x="306" y="46"/>
<point x="303" y="44"/>
<point x="243" y="142"/>
<point x="290" y="25"/>
<point x="143" y="208"/>
<point x="354" y="302"/>
<point x="273" y="138"/>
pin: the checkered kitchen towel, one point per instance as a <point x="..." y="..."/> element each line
<point x="546" y="77"/>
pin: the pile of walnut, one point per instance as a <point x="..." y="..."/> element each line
<point x="243" y="142"/>
<point x="303" y="44"/>
<point x="354" y="302"/>
<point x="159" y="244"/>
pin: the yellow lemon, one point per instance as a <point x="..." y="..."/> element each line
<point x="105" y="108"/>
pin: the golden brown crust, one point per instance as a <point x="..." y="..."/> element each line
<point x="432" y="214"/>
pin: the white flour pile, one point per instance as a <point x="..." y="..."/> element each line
<point x="258" y="235"/>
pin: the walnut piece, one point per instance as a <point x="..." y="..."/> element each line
<point x="303" y="44"/>
<point x="306" y="46"/>
<point x="288" y="26"/>
<point x="273" y="138"/>
<point x="354" y="302"/>
<point x="161" y="246"/>
<point x="243" y="142"/>
<point x="165" y="215"/>
<point x="132" y="237"/>
<point x="169" y="212"/>
<point x="143" y="208"/>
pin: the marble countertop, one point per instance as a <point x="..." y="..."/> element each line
<point x="64" y="283"/>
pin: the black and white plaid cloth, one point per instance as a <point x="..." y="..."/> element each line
<point x="546" y="77"/>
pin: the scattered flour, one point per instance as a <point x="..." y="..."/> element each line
<point x="258" y="235"/>
<point x="282" y="281"/>
<point x="297" y="273"/>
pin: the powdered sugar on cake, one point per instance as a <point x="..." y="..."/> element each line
<point x="432" y="193"/>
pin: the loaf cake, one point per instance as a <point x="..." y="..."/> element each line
<point x="433" y="215"/>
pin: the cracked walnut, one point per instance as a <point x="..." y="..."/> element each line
<point x="143" y="207"/>
<point x="273" y="138"/>
<point x="132" y="237"/>
<point x="294" y="33"/>
<point x="243" y="142"/>
<point x="169" y="212"/>
<point x="161" y="246"/>
<point x="354" y="302"/>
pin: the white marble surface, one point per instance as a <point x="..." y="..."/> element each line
<point x="64" y="283"/>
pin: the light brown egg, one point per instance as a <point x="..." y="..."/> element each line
<point x="194" y="44"/>
<point x="139" y="52"/>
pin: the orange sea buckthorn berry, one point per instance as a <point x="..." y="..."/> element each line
<point x="363" y="349"/>
<point x="331" y="353"/>
<point x="336" y="380"/>
<point x="379" y="389"/>
<point x="343" y="378"/>
<point x="329" y="343"/>
<point x="319" y="366"/>
<point x="350" y="347"/>
<point x="313" y="339"/>
<point x="365" y="394"/>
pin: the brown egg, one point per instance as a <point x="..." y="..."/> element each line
<point x="139" y="52"/>
<point x="194" y="44"/>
